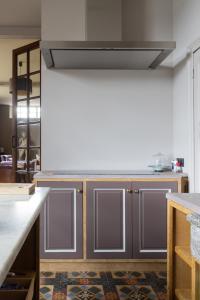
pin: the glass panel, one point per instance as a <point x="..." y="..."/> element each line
<point x="34" y="110"/>
<point x="35" y="135"/>
<point x="22" y="135"/>
<point x="35" y="60"/>
<point x="22" y="64"/>
<point x="34" y="157"/>
<point x="22" y="87"/>
<point x="35" y="82"/>
<point x="21" y="159"/>
<point x="22" y="112"/>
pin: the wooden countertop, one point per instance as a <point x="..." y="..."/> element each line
<point x="190" y="201"/>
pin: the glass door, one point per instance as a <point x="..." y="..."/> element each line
<point x="26" y="89"/>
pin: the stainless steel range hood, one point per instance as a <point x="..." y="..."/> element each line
<point x="105" y="54"/>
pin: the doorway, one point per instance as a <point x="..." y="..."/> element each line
<point x="19" y="110"/>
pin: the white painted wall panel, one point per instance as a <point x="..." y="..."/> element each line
<point x="104" y="20"/>
<point x="149" y="20"/>
<point x="63" y="20"/>
<point x="186" y="31"/>
<point x="105" y="119"/>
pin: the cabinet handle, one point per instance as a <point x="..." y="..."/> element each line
<point x="79" y="191"/>
<point x="129" y="191"/>
<point x="136" y="191"/>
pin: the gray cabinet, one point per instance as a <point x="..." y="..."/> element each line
<point x="127" y="219"/>
<point x="150" y="218"/>
<point x="61" y="221"/>
<point x="108" y="220"/>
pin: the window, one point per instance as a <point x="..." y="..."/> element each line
<point x="34" y="112"/>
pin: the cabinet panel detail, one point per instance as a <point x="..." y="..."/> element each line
<point x="61" y="221"/>
<point x="150" y="218"/>
<point x="60" y="224"/>
<point x="109" y="237"/>
<point x="108" y="220"/>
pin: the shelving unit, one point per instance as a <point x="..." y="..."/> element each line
<point x="24" y="287"/>
<point x="23" y="278"/>
<point x="184" y="254"/>
<point x="183" y="270"/>
<point x="183" y="294"/>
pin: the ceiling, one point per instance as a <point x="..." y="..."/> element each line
<point x="20" y="13"/>
<point x="6" y="47"/>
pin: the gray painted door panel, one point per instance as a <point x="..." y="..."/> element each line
<point x="150" y="218"/>
<point x="61" y="221"/>
<point x="108" y="220"/>
<point x="57" y="219"/>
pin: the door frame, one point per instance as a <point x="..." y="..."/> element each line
<point x="191" y="67"/>
<point x="29" y="47"/>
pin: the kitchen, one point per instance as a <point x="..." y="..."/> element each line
<point x="111" y="122"/>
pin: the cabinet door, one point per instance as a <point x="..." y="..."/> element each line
<point x="108" y="220"/>
<point x="150" y="218"/>
<point x="61" y="221"/>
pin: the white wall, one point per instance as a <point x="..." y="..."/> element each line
<point x="186" y="19"/>
<point x="149" y="20"/>
<point x="103" y="20"/>
<point x="103" y="119"/>
<point x="63" y="20"/>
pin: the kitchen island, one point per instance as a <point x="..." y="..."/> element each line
<point x="135" y="199"/>
<point x="183" y="269"/>
<point x="19" y="246"/>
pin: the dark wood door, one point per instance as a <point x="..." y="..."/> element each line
<point x="26" y="91"/>
<point x="108" y="220"/>
<point x="61" y="221"/>
<point x="150" y="218"/>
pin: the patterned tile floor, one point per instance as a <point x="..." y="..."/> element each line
<point x="103" y="286"/>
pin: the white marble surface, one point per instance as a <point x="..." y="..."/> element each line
<point x="190" y="201"/>
<point x="17" y="215"/>
<point x="90" y="174"/>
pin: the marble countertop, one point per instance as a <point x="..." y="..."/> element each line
<point x="17" y="215"/>
<point x="190" y="201"/>
<point x="91" y="174"/>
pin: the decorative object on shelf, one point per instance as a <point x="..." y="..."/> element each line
<point x="194" y="220"/>
<point x="160" y="163"/>
<point x="177" y="165"/>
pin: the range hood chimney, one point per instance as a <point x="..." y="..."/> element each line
<point x="104" y="47"/>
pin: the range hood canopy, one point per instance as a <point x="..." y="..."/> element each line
<point x="105" y="54"/>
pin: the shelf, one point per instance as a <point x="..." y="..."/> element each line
<point x="185" y="254"/>
<point x="183" y="294"/>
<point x="24" y="287"/>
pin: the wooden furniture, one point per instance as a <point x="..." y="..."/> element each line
<point x="108" y="215"/>
<point x="62" y="221"/>
<point x="123" y="218"/>
<point x="183" y="269"/>
<point x="17" y="188"/>
<point x="127" y="219"/>
<point x="19" y="251"/>
<point x="25" y="291"/>
<point x="26" y="140"/>
<point x="7" y="175"/>
<point x="26" y="269"/>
